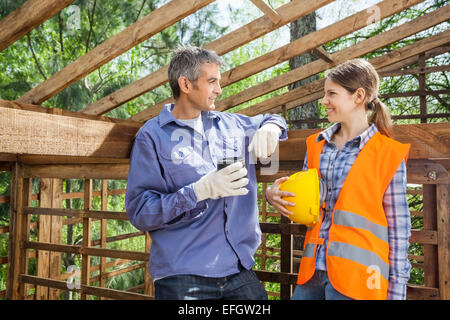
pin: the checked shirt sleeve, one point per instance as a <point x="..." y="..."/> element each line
<point x="399" y="227"/>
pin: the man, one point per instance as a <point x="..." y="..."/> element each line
<point x="203" y="221"/>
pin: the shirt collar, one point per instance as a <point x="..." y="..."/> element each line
<point x="166" y="115"/>
<point x="361" y="139"/>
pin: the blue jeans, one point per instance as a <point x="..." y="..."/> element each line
<point x="244" y="285"/>
<point x="317" y="288"/>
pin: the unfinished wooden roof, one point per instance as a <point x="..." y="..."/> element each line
<point x="34" y="12"/>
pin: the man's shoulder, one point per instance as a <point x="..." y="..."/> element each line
<point x="148" y="129"/>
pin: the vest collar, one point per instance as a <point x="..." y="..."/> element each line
<point x="361" y="140"/>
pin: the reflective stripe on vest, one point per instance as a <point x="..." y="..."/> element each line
<point x="309" y="250"/>
<point x="359" y="255"/>
<point x="349" y="219"/>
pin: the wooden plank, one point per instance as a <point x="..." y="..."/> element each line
<point x="56" y="111"/>
<point x="424" y="237"/>
<point x="28" y="132"/>
<point x="357" y="50"/>
<point x="85" y="289"/>
<point x="413" y="60"/>
<point x="277" y="277"/>
<point x="424" y="171"/>
<point x="443" y="221"/>
<point x="413" y="71"/>
<point x="323" y="54"/>
<point x="253" y="30"/>
<point x="415" y="292"/>
<point x="27" y="17"/>
<point x="138" y="32"/>
<point x="427" y="141"/>
<point x="297" y="47"/>
<point x="268" y="11"/>
<point x="77" y="171"/>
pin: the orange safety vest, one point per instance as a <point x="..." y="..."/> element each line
<point x="357" y="253"/>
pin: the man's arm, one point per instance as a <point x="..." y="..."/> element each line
<point x="149" y="203"/>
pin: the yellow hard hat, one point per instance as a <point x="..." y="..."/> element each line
<point x="305" y="186"/>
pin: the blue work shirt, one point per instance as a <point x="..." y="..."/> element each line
<point x="207" y="238"/>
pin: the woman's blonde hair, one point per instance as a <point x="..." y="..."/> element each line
<point x="358" y="73"/>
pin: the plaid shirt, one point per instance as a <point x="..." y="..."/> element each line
<point x="334" y="167"/>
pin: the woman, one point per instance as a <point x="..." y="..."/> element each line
<point x="358" y="249"/>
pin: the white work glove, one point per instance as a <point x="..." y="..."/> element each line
<point x="265" y="140"/>
<point x="229" y="181"/>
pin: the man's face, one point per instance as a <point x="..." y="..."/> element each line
<point x="206" y="89"/>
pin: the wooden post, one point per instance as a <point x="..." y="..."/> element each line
<point x="422" y="90"/>
<point x="55" y="237"/>
<point x="443" y="208"/>
<point x="19" y="230"/>
<point x="286" y="264"/>
<point x="43" y="257"/>
<point x="431" y="270"/>
<point x="85" y="267"/>
<point x="49" y="263"/>
<point x="103" y="234"/>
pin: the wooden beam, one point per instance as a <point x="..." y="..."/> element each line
<point x="428" y="141"/>
<point x="253" y="30"/>
<point x="414" y="59"/>
<point x="268" y="11"/>
<point x="318" y="65"/>
<point x="138" y="32"/>
<point x="37" y="108"/>
<point x="27" y="17"/>
<point x="295" y="48"/>
<point x="323" y="54"/>
<point x="28" y="132"/>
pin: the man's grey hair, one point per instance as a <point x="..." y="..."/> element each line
<point x="186" y="61"/>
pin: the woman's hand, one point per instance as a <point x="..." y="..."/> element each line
<point x="274" y="194"/>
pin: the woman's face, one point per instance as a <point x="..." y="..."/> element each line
<point x="340" y="103"/>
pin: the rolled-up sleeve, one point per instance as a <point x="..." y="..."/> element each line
<point x="149" y="204"/>
<point x="258" y="121"/>
<point x="399" y="226"/>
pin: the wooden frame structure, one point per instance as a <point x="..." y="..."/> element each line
<point x="52" y="145"/>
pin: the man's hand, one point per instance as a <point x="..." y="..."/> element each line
<point x="265" y="140"/>
<point x="227" y="182"/>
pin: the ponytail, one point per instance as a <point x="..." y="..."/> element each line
<point x="380" y="117"/>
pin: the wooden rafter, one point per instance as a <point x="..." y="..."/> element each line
<point x="253" y="30"/>
<point x="268" y="11"/>
<point x="138" y="32"/>
<point x="302" y="45"/>
<point x="27" y="17"/>
<point x="313" y="90"/>
<point x="323" y="54"/>
<point x="361" y="48"/>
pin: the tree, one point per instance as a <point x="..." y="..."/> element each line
<point x="298" y="29"/>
